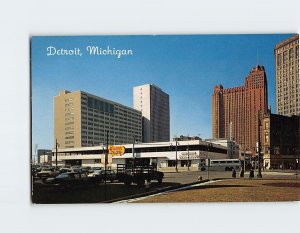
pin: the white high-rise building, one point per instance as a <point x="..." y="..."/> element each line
<point x="155" y="108"/>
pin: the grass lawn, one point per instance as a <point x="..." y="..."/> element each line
<point x="235" y="190"/>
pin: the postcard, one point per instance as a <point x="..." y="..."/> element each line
<point x="165" y="118"/>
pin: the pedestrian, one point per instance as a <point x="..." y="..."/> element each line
<point x="233" y="173"/>
<point x="242" y="173"/>
<point x="251" y="174"/>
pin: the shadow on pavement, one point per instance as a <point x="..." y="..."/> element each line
<point x="91" y="194"/>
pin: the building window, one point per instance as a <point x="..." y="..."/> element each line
<point x="171" y="163"/>
<point x="276" y="150"/>
<point x="267" y="137"/>
<point x="285" y="57"/>
<point x="291" y="54"/>
<point x="267" y="125"/>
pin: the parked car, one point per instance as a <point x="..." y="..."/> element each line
<point x="69" y="180"/>
<point x="35" y="169"/>
<point x="47" y="172"/>
<point x="94" y="173"/>
<point x="111" y="175"/>
<point x="64" y="170"/>
<point x="99" y="175"/>
<point x="81" y="169"/>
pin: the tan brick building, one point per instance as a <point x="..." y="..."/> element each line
<point x="82" y="119"/>
<point x="235" y="110"/>
<point x="287" y="76"/>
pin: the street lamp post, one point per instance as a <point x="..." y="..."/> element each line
<point x="105" y="164"/>
<point x="199" y="166"/>
<point x="244" y="148"/>
<point x="56" y="146"/>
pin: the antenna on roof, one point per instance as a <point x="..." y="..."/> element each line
<point x="256" y="57"/>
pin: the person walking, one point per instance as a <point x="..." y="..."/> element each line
<point x="233" y="173"/>
<point x="242" y="173"/>
<point x="251" y="174"/>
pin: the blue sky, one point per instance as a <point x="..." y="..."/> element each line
<point x="187" y="67"/>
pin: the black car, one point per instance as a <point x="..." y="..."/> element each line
<point x="99" y="176"/>
<point x="69" y="180"/>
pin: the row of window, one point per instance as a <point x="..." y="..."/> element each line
<point x="158" y="149"/>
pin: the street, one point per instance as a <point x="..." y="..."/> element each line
<point x="117" y="191"/>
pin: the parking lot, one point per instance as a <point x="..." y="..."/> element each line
<point x="90" y="192"/>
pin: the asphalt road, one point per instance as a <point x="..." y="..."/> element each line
<point x="96" y="194"/>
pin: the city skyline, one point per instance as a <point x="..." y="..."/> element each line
<point x="179" y="65"/>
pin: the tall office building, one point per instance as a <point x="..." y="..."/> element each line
<point x="82" y="119"/>
<point x="235" y="110"/>
<point x="287" y="76"/>
<point x="155" y="108"/>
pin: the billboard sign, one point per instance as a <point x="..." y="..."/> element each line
<point x="116" y="150"/>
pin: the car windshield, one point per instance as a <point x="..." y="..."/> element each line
<point x="62" y="175"/>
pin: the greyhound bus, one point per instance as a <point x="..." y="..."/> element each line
<point x="227" y="164"/>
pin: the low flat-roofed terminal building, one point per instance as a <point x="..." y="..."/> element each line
<point x="160" y="154"/>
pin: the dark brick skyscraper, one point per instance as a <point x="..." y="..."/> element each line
<point x="236" y="109"/>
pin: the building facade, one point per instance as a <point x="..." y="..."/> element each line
<point x="155" y="108"/>
<point x="82" y="119"/>
<point x="281" y="141"/>
<point x="233" y="149"/>
<point x="287" y="77"/>
<point x="163" y="155"/>
<point x="44" y="156"/>
<point x="235" y="110"/>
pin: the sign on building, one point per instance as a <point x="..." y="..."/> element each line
<point x="116" y="150"/>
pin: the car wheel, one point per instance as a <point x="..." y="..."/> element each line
<point x="159" y="180"/>
<point x="127" y="182"/>
<point x="141" y="182"/>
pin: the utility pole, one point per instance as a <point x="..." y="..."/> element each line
<point x="133" y="157"/>
<point x="56" y="146"/>
<point x="208" y="160"/>
<point x="259" y="175"/>
<point x="176" y="162"/>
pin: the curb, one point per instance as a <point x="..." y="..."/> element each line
<point x="157" y="191"/>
